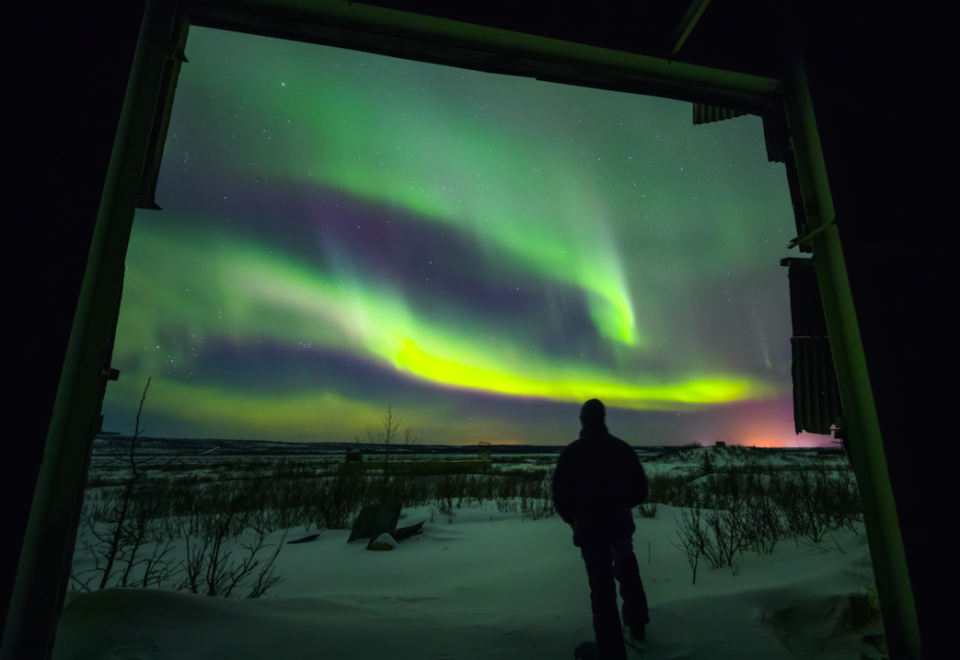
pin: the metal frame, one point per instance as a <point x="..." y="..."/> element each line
<point x="48" y="545"/>
<point x="861" y="424"/>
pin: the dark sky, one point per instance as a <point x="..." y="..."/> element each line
<point x="343" y="232"/>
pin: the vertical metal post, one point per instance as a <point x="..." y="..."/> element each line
<point x="47" y="551"/>
<point x="860" y="415"/>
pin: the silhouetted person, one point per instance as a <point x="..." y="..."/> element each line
<point x="598" y="482"/>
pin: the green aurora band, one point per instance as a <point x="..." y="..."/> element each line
<point x="551" y="184"/>
<point x="268" y="295"/>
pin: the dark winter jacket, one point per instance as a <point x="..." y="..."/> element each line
<point x="598" y="482"/>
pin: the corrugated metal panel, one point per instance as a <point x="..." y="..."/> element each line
<point x="774" y="135"/>
<point x="806" y="308"/>
<point x="816" y="395"/>
<point x="705" y="114"/>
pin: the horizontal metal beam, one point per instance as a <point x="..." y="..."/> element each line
<point x="441" y="41"/>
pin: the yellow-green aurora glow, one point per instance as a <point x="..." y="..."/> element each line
<point x="342" y="232"/>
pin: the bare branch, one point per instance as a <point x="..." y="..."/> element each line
<point x="136" y="429"/>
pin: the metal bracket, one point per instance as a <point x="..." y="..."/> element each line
<point x="806" y="238"/>
<point x="174" y="52"/>
<point x="145" y="203"/>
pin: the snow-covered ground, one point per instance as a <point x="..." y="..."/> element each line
<point x="487" y="584"/>
<point x="690" y="458"/>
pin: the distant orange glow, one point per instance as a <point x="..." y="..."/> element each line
<point x="759" y="424"/>
<point x="762" y="441"/>
<point x="772" y="436"/>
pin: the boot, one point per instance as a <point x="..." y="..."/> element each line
<point x="635" y="636"/>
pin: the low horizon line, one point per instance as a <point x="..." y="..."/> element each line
<point x="116" y="434"/>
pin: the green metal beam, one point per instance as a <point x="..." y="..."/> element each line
<point x="860" y="415"/>
<point x="443" y="41"/>
<point x="47" y="551"/>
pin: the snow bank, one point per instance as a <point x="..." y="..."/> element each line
<point x="491" y="585"/>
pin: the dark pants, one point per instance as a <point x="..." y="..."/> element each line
<point x="604" y="563"/>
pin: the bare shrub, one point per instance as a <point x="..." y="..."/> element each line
<point x="126" y="545"/>
<point x="726" y="496"/>
<point x="449" y="488"/>
<point x="388" y="437"/>
<point x="729" y="535"/>
<point x="845" y="500"/>
<point x="210" y="567"/>
<point x="506" y="504"/>
<point x="339" y="499"/>
<point x="806" y="504"/>
<point x="693" y="536"/>
<point x="672" y="489"/>
<point x="119" y="525"/>
<point x="764" y="519"/>
<point x="536" y="497"/>
<point x="648" y="510"/>
<point x="755" y="507"/>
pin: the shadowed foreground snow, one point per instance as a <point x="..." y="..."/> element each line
<point x="490" y="585"/>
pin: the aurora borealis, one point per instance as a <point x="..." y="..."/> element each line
<point x="342" y="232"/>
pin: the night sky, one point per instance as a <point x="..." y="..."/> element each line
<point x="343" y="232"/>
